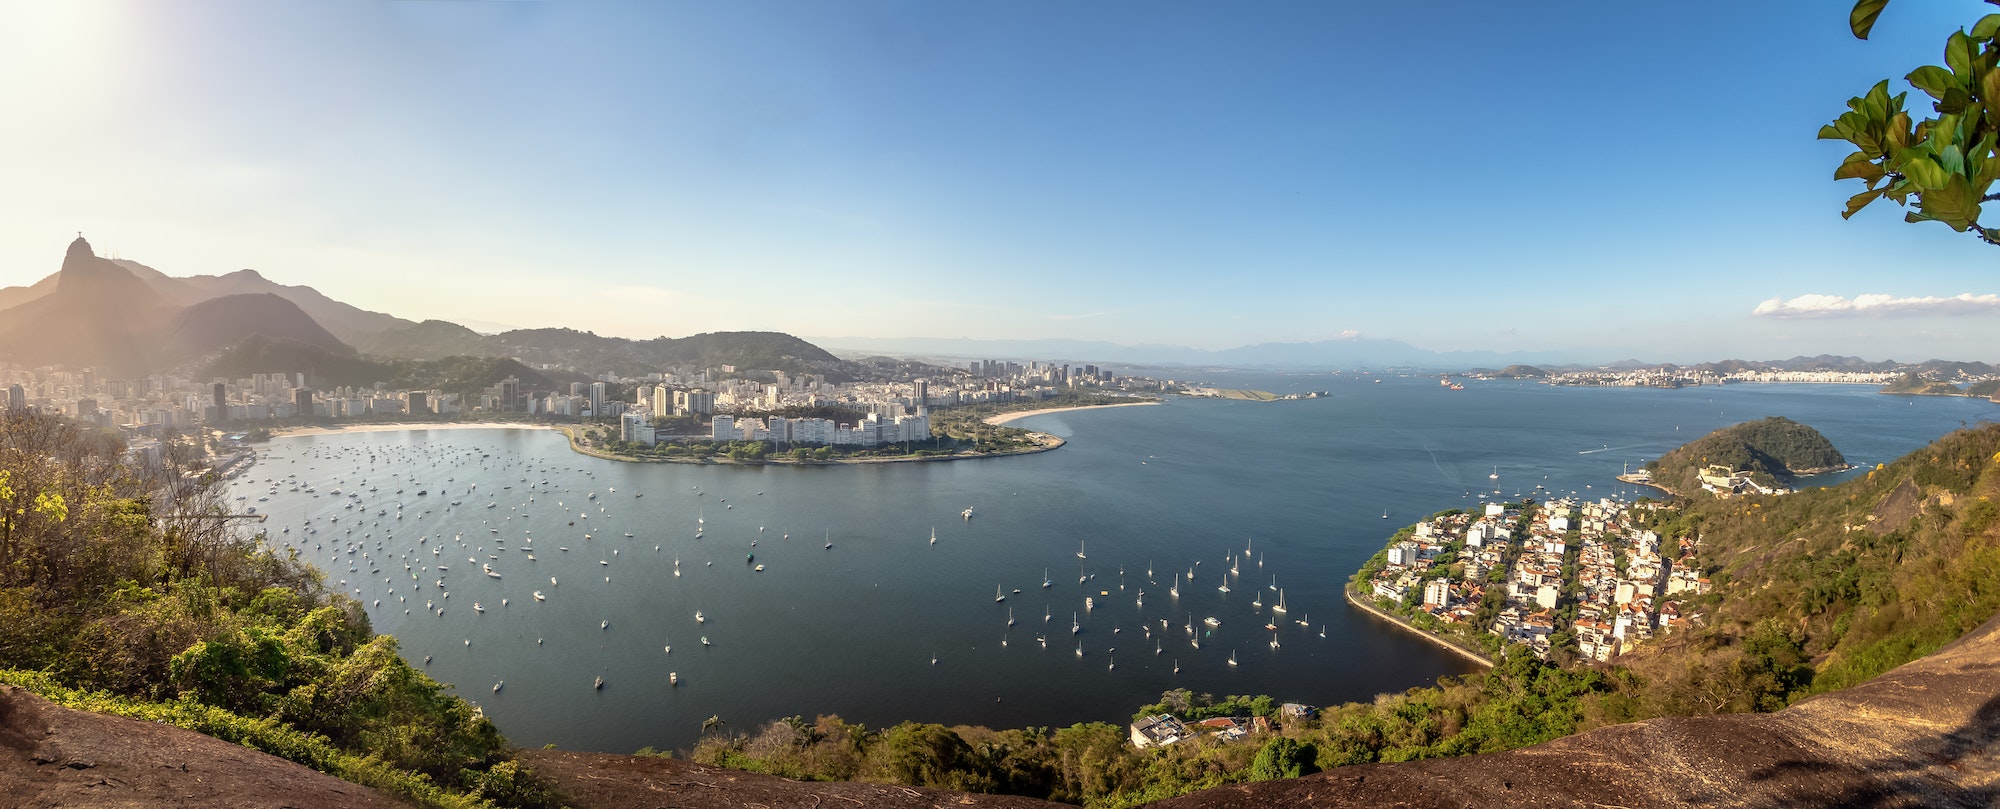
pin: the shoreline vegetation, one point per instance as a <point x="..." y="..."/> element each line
<point x="1433" y="637"/>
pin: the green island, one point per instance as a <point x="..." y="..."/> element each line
<point x="1756" y="456"/>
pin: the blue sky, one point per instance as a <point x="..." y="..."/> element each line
<point x="1610" y="179"/>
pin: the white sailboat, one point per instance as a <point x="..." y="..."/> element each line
<point x="997" y="595"/>
<point x="1232" y="657"/>
<point x="1046" y="582"/>
<point x="1079" y="550"/>
<point x="1225" y="584"/>
<point x="1280" y="608"/>
<point x="1010" y="616"/>
<point x="933" y="535"/>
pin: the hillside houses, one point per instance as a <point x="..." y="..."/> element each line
<point x="1579" y="573"/>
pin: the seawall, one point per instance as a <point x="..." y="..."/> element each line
<point x="1455" y="648"/>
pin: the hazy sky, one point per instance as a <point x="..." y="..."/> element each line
<point x="1617" y="178"/>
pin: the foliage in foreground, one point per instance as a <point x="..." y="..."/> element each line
<point x="123" y="591"/>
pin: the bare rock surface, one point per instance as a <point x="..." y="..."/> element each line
<point x="605" y="781"/>
<point x="51" y="756"/>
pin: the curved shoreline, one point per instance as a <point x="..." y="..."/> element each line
<point x="1460" y="650"/>
<point x="1017" y="415"/>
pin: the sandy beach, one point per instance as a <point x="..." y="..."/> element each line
<point x="410" y="426"/>
<point x="1003" y="418"/>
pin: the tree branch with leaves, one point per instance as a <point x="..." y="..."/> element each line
<point x="1946" y="165"/>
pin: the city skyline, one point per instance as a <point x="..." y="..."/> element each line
<point x="1600" y="182"/>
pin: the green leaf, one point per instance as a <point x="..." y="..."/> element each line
<point x="1862" y="19"/>
<point x="1863" y="170"/>
<point x="1955" y="204"/>
<point x="1933" y="80"/>
<point x="1924" y="172"/>
<point x="1986" y="27"/>
<point x="1858" y="201"/>
<point x="1989" y="92"/>
<point x="1958" y="55"/>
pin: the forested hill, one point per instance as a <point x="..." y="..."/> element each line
<point x="1774" y="450"/>
<point x="571" y="348"/>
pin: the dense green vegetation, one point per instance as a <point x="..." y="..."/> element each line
<point x="1816" y="590"/>
<point x="1773" y="449"/>
<point x="570" y="348"/>
<point x="462" y="375"/>
<point x="130" y="594"/>
<point x="1946" y="164"/>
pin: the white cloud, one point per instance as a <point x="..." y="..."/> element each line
<point x="1805" y="306"/>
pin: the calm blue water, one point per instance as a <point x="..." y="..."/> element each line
<point x="885" y="626"/>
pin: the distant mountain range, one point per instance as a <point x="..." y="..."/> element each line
<point x="127" y="319"/>
<point x="1343" y="353"/>
<point x="1347" y="352"/>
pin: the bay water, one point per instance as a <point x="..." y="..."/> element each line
<point x="887" y="625"/>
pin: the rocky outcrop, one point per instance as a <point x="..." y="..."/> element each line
<point x="1922" y="735"/>
<point x="52" y="756"/>
<point x="604" y="781"/>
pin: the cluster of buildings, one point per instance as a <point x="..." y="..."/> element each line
<point x="721" y="403"/>
<point x="1725" y="483"/>
<point x="1166" y="729"/>
<point x="144" y="405"/>
<point x="1624" y="584"/>
<point x="1690" y="377"/>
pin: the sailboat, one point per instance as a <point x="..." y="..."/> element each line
<point x="1079" y="550"/>
<point x="1232" y="657"/>
<point x="1225" y="584"/>
<point x="1280" y="608"/>
<point x="1046" y="583"/>
<point x="1079" y="648"/>
<point x="1495" y="475"/>
<point x="1385" y="514"/>
<point x="1274" y="581"/>
<point x="1074" y="627"/>
<point x="1174" y="589"/>
<point x="1232" y="568"/>
<point x="997" y="595"/>
<point x="1010" y="616"/>
<point x="933" y="535"/>
<point x="1080" y="576"/>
